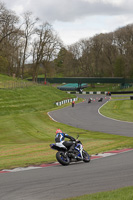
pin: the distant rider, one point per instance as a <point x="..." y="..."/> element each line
<point x="60" y="140"/>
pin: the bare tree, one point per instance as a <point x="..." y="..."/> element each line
<point x="109" y="54"/>
<point x="96" y="44"/>
<point x="73" y="57"/>
<point x="124" y="42"/>
<point x="44" y="48"/>
<point x="8" y="20"/>
<point x="29" y="30"/>
<point x="85" y="60"/>
<point x="8" y="31"/>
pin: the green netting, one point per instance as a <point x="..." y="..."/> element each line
<point x="72" y="86"/>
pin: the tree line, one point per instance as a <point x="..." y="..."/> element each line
<point x="104" y="55"/>
<point x="30" y="47"/>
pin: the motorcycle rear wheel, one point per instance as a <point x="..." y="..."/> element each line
<point x="62" y="158"/>
<point x="86" y="157"/>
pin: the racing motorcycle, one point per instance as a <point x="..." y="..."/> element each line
<point x="64" y="157"/>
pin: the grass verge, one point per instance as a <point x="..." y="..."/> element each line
<point x="121" y="110"/>
<point x="107" y="87"/>
<point x="26" y="130"/>
<point x="119" y="194"/>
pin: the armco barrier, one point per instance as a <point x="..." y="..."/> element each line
<point x="98" y="92"/>
<point x="91" y="92"/>
<point x="66" y="101"/>
<point x="122" y="92"/>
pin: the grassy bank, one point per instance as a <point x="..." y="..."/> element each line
<point x="107" y="87"/>
<point x="26" y="130"/>
<point x="119" y="194"/>
<point x="7" y="82"/>
<point x="25" y="139"/>
<point x="121" y="110"/>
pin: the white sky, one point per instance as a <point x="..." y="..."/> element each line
<point x="77" y="19"/>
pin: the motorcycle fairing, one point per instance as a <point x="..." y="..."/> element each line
<point x="79" y="148"/>
<point x="58" y="146"/>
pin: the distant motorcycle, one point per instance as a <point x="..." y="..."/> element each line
<point x="64" y="157"/>
<point x="100" y="100"/>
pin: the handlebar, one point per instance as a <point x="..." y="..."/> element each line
<point x="77" y="136"/>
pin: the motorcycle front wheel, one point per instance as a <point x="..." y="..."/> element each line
<point x="86" y="157"/>
<point x="62" y="158"/>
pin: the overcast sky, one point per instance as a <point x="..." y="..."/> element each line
<point x="77" y="19"/>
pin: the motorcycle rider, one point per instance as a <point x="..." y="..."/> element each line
<point x="60" y="140"/>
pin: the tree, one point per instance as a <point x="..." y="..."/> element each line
<point x="96" y="45"/>
<point x="45" y="48"/>
<point x="119" y="68"/>
<point x="85" y="60"/>
<point x="8" y="22"/>
<point x="28" y="30"/>
<point x="3" y="65"/>
<point x="109" y="54"/>
<point x="59" y="61"/>
<point x="73" y="57"/>
<point x="124" y="43"/>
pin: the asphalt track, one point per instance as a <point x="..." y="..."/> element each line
<point x="86" y="116"/>
<point x="58" y="182"/>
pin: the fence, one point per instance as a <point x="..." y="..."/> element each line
<point x="66" y="101"/>
<point x="16" y="84"/>
<point x="81" y="80"/>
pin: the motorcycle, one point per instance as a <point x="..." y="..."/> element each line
<point x="64" y="157"/>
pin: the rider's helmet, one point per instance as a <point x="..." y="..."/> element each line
<point x="58" y="131"/>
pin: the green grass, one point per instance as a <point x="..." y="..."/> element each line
<point x="119" y="194"/>
<point x="30" y="99"/>
<point x="121" y="110"/>
<point x="107" y="87"/>
<point x="4" y="78"/>
<point x="119" y="97"/>
<point x="103" y="87"/>
<point x="7" y="82"/>
<point x="26" y="130"/>
<point x="25" y="139"/>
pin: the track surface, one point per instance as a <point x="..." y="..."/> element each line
<point x="58" y="182"/>
<point x="85" y="116"/>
